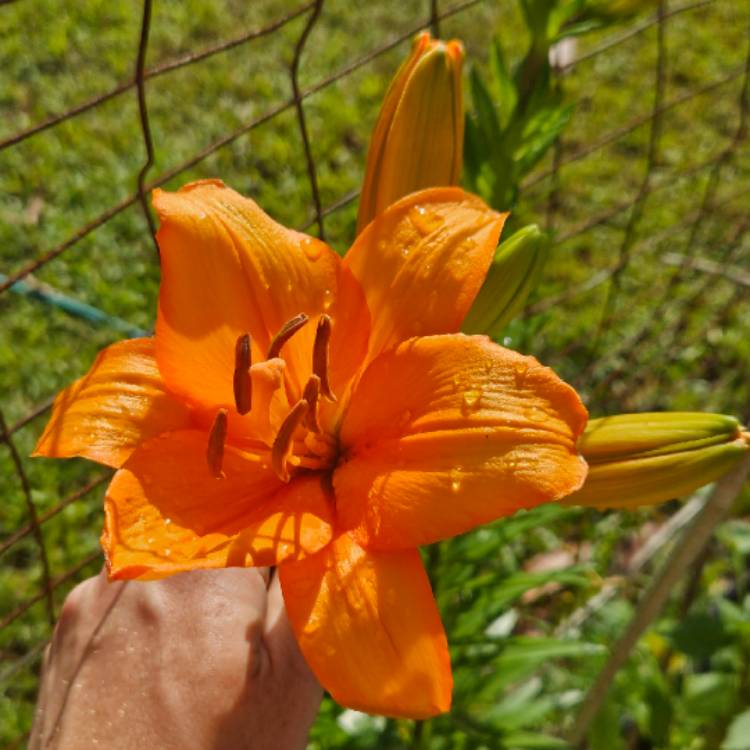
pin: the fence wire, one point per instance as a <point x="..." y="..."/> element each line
<point x="605" y="365"/>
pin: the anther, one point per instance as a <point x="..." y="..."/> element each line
<point x="243" y="384"/>
<point x="216" y="440"/>
<point x="287" y="331"/>
<point x="282" y="444"/>
<point x="320" y="355"/>
<point x="310" y="394"/>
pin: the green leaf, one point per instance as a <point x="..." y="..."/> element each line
<point x="503" y="87"/>
<point x="540" y="133"/>
<point x="738" y="734"/>
<point x="710" y="694"/>
<point x="523" y="655"/>
<point x="485" y="113"/>
<point x="700" y="635"/>
<point x="534" y="741"/>
<point x="736" y="534"/>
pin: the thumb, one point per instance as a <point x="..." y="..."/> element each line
<point x="287" y="662"/>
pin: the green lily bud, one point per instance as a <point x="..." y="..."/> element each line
<point x="644" y="459"/>
<point x="513" y="275"/>
<point x="418" y="139"/>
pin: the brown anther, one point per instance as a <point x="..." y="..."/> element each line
<point x="243" y="384"/>
<point x="282" y="443"/>
<point x="320" y="355"/>
<point x="310" y="394"/>
<point x="216" y="439"/>
<point x="287" y="331"/>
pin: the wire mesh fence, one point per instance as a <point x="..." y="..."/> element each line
<point x="643" y="306"/>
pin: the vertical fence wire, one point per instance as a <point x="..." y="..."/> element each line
<point x="695" y="220"/>
<point x="300" y="110"/>
<point x="35" y="527"/>
<point x="636" y="212"/>
<point x="140" y="82"/>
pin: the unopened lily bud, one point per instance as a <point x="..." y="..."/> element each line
<point x="644" y="459"/>
<point x="418" y="139"/>
<point x="513" y="275"/>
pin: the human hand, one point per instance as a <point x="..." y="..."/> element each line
<point x="203" y="660"/>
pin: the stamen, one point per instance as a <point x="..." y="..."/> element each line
<point x="216" y="439"/>
<point x="287" y="331"/>
<point x="320" y="355"/>
<point x="310" y="394"/>
<point x="243" y="384"/>
<point x="282" y="444"/>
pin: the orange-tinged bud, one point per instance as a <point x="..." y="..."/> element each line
<point x="644" y="459"/>
<point x="418" y="139"/>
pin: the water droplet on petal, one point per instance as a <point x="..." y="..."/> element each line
<point x="535" y="414"/>
<point x="456" y="478"/>
<point x="424" y="220"/>
<point x="167" y="552"/>
<point x="327" y="299"/>
<point x="312" y="248"/>
<point x="167" y="521"/>
<point x="520" y="369"/>
<point x="467" y="245"/>
<point x="471" y="400"/>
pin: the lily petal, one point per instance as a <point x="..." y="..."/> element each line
<point x="369" y="628"/>
<point x="469" y="432"/>
<point x="422" y="262"/>
<point x="229" y="269"/>
<point x="166" y="513"/>
<point x="295" y="523"/>
<point x="118" y="404"/>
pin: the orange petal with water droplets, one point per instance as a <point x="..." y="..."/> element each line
<point x="229" y="269"/>
<point x="166" y="513"/>
<point x="118" y="404"/>
<point x="421" y="263"/>
<point x="296" y="522"/>
<point x="448" y="432"/>
<point x="369" y="629"/>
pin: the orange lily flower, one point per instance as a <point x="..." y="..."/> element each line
<point x="325" y="416"/>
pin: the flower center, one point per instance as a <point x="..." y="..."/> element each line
<point x="299" y="443"/>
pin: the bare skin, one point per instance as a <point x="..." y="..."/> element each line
<point x="202" y="660"/>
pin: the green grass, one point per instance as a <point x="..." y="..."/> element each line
<point x="694" y="354"/>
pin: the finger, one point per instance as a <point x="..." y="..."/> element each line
<point x="265" y="574"/>
<point x="279" y="637"/>
<point x="301" y="689"/>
